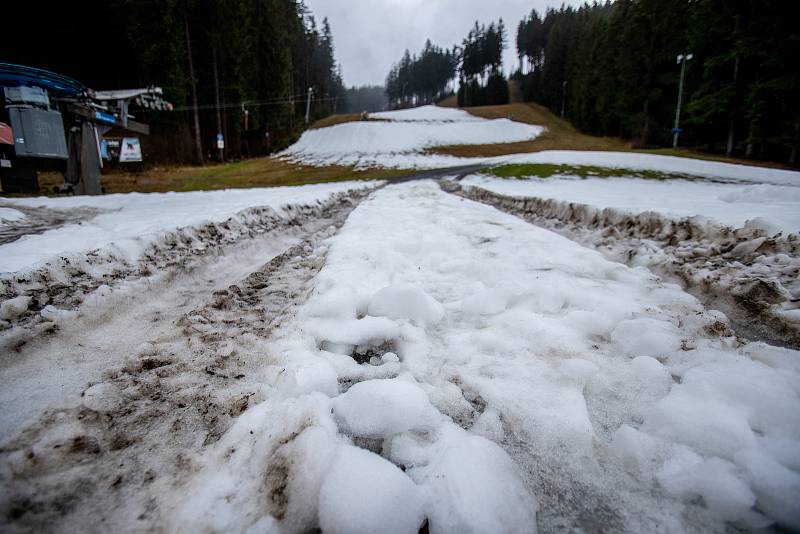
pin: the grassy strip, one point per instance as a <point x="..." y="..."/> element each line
<point x="259" y="172"/>
<point x="546" y="170"/>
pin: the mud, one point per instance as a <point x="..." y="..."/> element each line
<point x="752" y="277"/>
<point x="103" y="463"/>
<point x="66" y="282"/>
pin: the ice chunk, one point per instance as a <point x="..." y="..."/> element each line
<point x="364" y="493"/>
<point x="707" y="424"/>
<point x="390" y="357"/>
<point x="102" y="397"/>
<point x="472" y="483"/>
<point x="13" y="308"/>
<point x="634" y="448"/>
<point x="646" y="337"/>
<point x="406" y="301"/>
<point x="717" y="481"/>
<point x="340" y="302"/>
<point x="777" y="488"/>
<point x="381" y="408"/>
<point x="307" y="373"/>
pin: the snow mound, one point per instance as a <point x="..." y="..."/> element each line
<point x="473" y="484"/>
<point x="406" y="301"/>
<point x="426" y="113"/>
<point x="364" y="493"/>
<point x="383" y="408"/>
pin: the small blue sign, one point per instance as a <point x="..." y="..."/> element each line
<point x="220" y="138"/>
<point x="105" y="117"/>
<point x="677" y="130"/>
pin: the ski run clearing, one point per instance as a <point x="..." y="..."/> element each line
<point x="452" y="355"/>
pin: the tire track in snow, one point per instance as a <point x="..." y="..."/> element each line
<point x="105" y="460"/>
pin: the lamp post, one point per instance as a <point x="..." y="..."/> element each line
<point x="676" y="131"/>
<point x="308" y="103"/>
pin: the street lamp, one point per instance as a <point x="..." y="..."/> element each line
<point x="676" y="131"/>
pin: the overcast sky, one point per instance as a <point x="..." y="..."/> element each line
<point x="371" y="35"/>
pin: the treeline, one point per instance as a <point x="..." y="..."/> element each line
<point x="369" y="98"/>
<point x="237" y="67"/>
<point x="478" y="61"/>
<point x="612" y="68"/>
<point x="421" y="79"/>
<point x="481" y="79"/>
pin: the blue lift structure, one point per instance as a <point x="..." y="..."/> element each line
<point x="48" y="116"/>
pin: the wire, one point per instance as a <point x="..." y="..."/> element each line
<point x="257" y="103"/>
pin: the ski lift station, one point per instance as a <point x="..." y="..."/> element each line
<point x="47" y="117"/>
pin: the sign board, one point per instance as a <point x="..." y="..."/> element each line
<point x="130" y="150"/>
<point x="110" y="148"/>
<point x="105" y="117"/>
<point x="220" y="141"/>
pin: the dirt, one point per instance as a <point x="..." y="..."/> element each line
<point x="102" y="462"/>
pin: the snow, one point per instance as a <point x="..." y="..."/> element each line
<point x="406" y="301"/>
<point x="9" y="215"/>
<point x="528" y="381"/>
<point x="384" y="408"/>
<point x="426" y="113"/>
<point x="364" y="493"/>
<point x="132" y="221"/>
<point x="400" y="136"/>
<point x="774" y="207"/>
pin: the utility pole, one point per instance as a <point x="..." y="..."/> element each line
<point x="563" y="97"/>
<point x="308" y="103"/>
<point x="676" y="131"/>
<point x="220" y="136"/>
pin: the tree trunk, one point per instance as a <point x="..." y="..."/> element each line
<point x="216" y="98"/>
<point x="732" y="121"/>
<point x="198" y="145"/>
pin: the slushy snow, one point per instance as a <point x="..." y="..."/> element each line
<point x="132" y="221"/>
<point x="535" y="383"/>
<point x="776" y="207"/>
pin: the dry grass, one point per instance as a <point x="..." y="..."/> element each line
<point x="333" y="120"/>
<point x="259" y="172"/>
<point x="560" y="134"/>
<point x="449" y="102"/>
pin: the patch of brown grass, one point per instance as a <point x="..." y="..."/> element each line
<point x="560" y="134"/>
<point x="333" y="120"/>
<point x="258" y="172"/>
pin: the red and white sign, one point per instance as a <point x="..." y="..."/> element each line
<point x="6" y="135"/>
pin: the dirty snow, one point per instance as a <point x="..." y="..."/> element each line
<point x="555" y="388"/>
<point x="400" y="136"/>
<point x="130" y="222"/>
<point x="8" y="215"/>
<point x="774" y="207"/>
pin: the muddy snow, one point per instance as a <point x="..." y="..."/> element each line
<point x="390" y="360"/>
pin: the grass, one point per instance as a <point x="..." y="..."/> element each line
<point x="333" y="120"/>
<point x="545" y="170"/>
<point x="560" y="134"/>
<point x="259" y="172"/>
